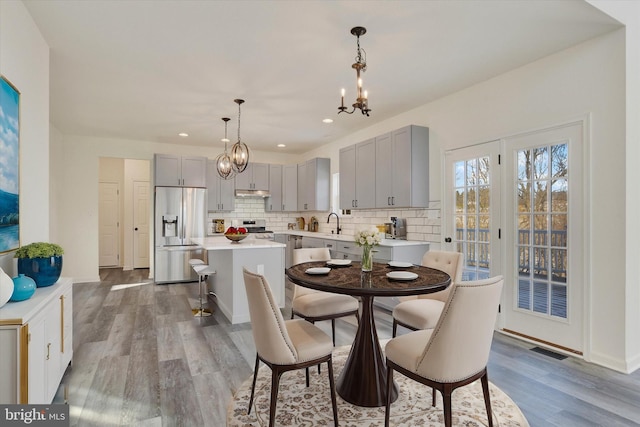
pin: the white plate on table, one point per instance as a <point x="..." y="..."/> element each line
<point x="400" y="264"/>
<point x="339" y="262"/>
<point x="402" y="275"/>
<point x="318" y="270"/>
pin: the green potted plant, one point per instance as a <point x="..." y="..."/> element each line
<point x="41" y="261"/>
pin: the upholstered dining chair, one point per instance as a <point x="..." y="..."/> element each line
<point x="315" y="306"/>
<point x="283" y="345"/>
<point x="456" y="351"/>
<point x="423" y="311"/>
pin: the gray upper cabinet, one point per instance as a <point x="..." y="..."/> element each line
<point x="314" y="184"/>
<point x="180" y="171"/>
<point x="357" y="176"/>
<point x="290" y="188"/>
<point x="220" y="192"/>
<point x="273" y="203"/>
<point x="402" y="168"/>
<point x="254" y="177"/>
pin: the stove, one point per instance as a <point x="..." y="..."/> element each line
<point x="258" y="227"/>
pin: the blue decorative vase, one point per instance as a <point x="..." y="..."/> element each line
<point x="45" y="271"/>
<point x="23" y="288"/>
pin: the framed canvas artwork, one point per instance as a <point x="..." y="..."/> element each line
<point x="9" y="164"/>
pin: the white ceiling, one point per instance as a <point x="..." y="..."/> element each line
<point x="147" y="70"/>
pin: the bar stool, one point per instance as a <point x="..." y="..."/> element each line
<point x="203" y="271"/>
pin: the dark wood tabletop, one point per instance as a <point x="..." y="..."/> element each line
<point x="363" y="380"/>
<point x="351" y="280"/>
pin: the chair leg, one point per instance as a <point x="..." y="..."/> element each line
<point x="389" y="389"/>
<point x="253" y="386"/>
<point x="433" y="396"/>
<point x="275" y="383"/>
<point x="395" y="328"/>
<point x="333" y="331"/>
<point x="333" y="393"/>
<point x="487" y="399"/>
<point x="306" y="373"/>
<point x="446" y="401"/>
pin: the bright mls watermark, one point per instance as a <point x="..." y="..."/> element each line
<point x="34" y="415"/>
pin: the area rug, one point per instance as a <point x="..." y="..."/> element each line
<point x="302" y="406"/>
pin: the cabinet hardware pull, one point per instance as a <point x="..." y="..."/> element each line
<point x="48" y="349"/>
<point x="393" y="200"/>
<point x="388" y="201"/>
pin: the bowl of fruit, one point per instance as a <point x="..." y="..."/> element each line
<point x="235" y="234"/>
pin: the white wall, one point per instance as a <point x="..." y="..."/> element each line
<point x="586" y="79"/>
<point x="24" y="61"/>
<point x="628" y="12"/>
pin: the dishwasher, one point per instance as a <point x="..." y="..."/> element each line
<point x="292" y="242"/>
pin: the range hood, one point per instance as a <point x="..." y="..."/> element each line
<point x="253" y="193"/>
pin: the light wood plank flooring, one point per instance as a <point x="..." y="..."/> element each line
<point x="141" y="359"/>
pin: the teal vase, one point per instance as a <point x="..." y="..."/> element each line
<point x="23" y="288"/>
<point x="45" y="271"/>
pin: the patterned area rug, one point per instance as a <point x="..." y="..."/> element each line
<point x="302" y="406"/>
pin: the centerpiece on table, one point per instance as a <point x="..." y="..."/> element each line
<point x="367" y="239"/>
<point x="41" y="261"/>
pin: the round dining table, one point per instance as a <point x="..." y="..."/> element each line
<point x="363" y="380"/>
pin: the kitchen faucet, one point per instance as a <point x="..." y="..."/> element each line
<point x="338" y="221"/>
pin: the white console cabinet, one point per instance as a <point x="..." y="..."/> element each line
<point x="36" y="344"/>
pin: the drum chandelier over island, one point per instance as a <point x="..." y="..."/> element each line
<point x="362" y="101"/>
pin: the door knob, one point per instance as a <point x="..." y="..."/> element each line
<point x="447" y="239"/>
<point x="136" y="229"/>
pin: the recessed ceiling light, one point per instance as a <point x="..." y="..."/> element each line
<point x="183" y="134"/>
<point x="281" y="145"/>
<point x="327" y="121"/>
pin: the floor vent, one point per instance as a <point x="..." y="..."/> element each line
<point x="549" y="353"/>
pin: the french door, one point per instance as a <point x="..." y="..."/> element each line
<point x="472" y="202"/>
<point x="544" y="230"/>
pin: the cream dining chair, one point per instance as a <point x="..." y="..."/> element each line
<point x="422" y="311"/>
<point x="315" y="306"/>
<point x="283" y="345"/>
<point x="456" y="351"/>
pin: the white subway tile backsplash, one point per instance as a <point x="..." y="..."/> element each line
<point x="422" y="224"/>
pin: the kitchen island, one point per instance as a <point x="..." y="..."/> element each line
<point x="261" y="256"/>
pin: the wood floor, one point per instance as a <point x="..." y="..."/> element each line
<point x="141" y="359"/>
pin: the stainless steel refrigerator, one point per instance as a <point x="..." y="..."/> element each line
<point x="180" y="214"/>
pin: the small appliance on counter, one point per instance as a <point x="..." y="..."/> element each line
<point x="313" y="224"/>
<point x="218" y="225"/>
<point x="396" y="229"/>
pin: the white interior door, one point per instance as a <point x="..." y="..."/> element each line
<point x="141" y="242"/>
<point x="472" y="206"/>
<point x="544" y="230"/>
<point x="108" y="213"/>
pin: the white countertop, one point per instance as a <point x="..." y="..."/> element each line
<point x="214" y="243"/>
<point x="350" y="238"/>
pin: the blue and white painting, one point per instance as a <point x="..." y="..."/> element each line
<point x="9" y="161"/>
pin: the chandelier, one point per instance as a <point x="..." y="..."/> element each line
<point x="223" y="161"/>
<point x="239" y="151"/>
<point x="362" y="101"/>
